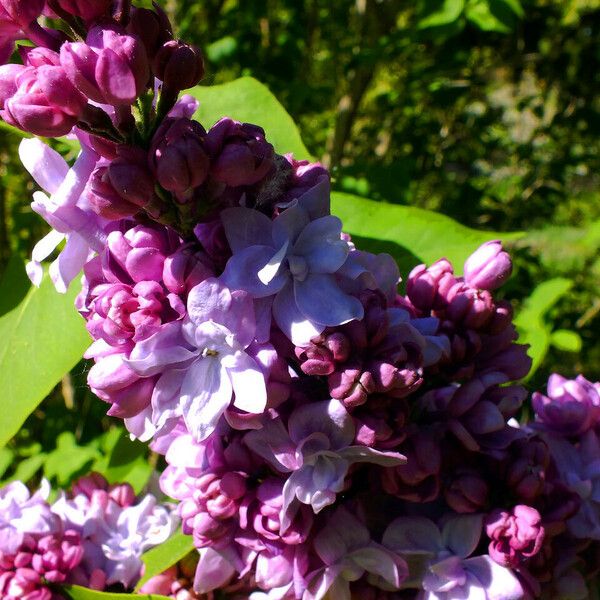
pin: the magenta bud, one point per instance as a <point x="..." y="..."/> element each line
<point x="88" y="10"/>
<point x="240" y="153"/>
<point x="122" y="494"/>
<point x="105" y="200"/>
<point x="110" y="68"/>
<point x="515" y="536"/>
<point x="152" y="27"/>
<point x="488" y="267"/>
<point x="426" y="287"/>
<point x="186" y="268"/>
<point x="38" y="57"/>
<point x="179" y="66"/>
<point x="8" y="82"/>
<point x="89" y="484"/>
<point x="22" y="12"/>
<point x="177" y="155"/>
<point x="45" y="102"/>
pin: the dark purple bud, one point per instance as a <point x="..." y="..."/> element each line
<point x="186" y="268"/>
<point x="110" y="68"/>
<point x="152" y="27"/>
<point x="515" y="535"/>
<point x="467" y="493"/>
<point x="130" y="176"/>
<point x="45" y="102"/>
<point x="526" y="474"/>
<point x="179" y="66"/>
<point x="471" y="307"/>
<point x="488" y="267"/>
<point x="105" y="200"/>
<point x="21" y="12"/>
<point x="240" y="153"/>
<point x="88" y="10"/>
<point x="177" y="155"/>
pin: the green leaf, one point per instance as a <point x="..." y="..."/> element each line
<point x="27" y="468"/>
<point x="42" y="336"/>
<point x="566" y="340"/>
<point x="530" y="322"/>
<point x="436" y="16"/>
<point x="248" y="100"/>
<point x="221" y="49"/>
<point x="494" y="15"/>
<point x="160" y="558"/>
<point x="6" y="459"/>
<point x="411" y="235"/>
<point x="128" y="462"/>
<point x="76" y="592"/>
<point x="68" y="459"/>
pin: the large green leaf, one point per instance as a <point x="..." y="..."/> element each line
<point x="494" y="15"/>
<point x="160" y="558"/>
<point x="248" y="100"/>
<point x="411" y="235"/>
<point x="531" y="323"/>
<point x="42" y="338"/>
<point x="75" y="592"/>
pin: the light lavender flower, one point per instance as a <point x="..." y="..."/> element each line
<point x="203" y="361"/>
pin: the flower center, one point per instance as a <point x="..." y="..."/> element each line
<point x="298" y="267"/>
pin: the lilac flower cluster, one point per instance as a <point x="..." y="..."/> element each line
<point x="93" y="537"/>
<point x="324" y="435"/>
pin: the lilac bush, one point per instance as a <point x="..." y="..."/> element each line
<point x="324" y="435"/>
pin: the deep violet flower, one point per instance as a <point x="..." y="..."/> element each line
<point x="203" y="361"/>
<point x="293" y="261"/>
<point x="316" y="448"/>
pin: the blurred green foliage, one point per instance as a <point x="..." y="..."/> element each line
<point x="484" y="110"/>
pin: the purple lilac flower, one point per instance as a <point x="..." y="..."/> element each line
<point x="291" y="261"/>
<point x="348" y="553"/>
<point x="488" y="267"/>
<point x="316" y="448"/>
<point x="440" y="561"/>
<point x="203" y="362"/>
<point x="571" y="407"/>
<point x="65" y="211"/>
<point x="111" y="67"/>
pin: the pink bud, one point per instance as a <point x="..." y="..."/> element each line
<point x="488" y="267"/>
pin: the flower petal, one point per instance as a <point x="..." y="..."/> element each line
<point x="69" y="263"/>
<point x="321" y="245"/>
<point x="248" y="384"/>
<point x="205" y="395"/>
<point x="320" y="300"/>
<point x="45" y="165"/>
<point x="245" y="227"/>
<point x="297" y="327"/>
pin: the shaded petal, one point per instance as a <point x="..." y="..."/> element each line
<point x="273" y="443"/>
<point x="298" y="328"/>
<point x="245" y="227"/>
<point x="288" y="225"/>
<point x="69" y="263"/>
<point x="320" y="299"/>
<point x="248" y="384"/>
<point x="379" y="561"/>
<point x="241" y="272"/>
<point x="165" y="397"/>
<point x="413" y="535"/>
<point x="45" y="165"/>
<point x="321" y="582"/>
<point x="342" y="534"/>
<point x="356" y="454"/>
<point x="321" y="245"/>
<point x="165" y="348"/>
<point x="329" y="417"/>
<point x="461" y="534"/>
<point x="205" y="395"/>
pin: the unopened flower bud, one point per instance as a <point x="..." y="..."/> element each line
<point x="8" y="82"/>
<point x="130" y="177"/>
<point x="179" y="66"/>
<point x="467" y="493"/>
<point x="488" y="267"/>
<point x="105" y="200"/>
<point x="152" y="27"/>
<point x="122" y="494"/>
<point x="177" y="155"/>
<point x="426" y="286"/>
<point x="88" y="10"/>
<point x="240" y="153"/>
<point x="21" y="12"/>
<point x="186" y="268"/>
